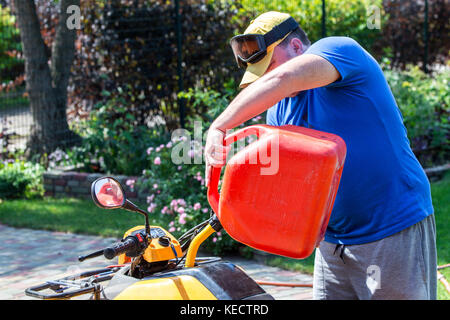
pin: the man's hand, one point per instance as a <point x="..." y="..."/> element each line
<point x="215" y="151"/>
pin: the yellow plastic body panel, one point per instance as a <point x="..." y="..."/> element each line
<point x="181" y="287"/>
<point x="154" y="252"/>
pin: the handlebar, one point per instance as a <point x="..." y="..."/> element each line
<point x="129" y="244"/>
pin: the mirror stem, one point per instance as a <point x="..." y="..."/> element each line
<point x="128" y="205"/>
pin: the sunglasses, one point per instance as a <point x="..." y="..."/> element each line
<point x="251" y="48"/>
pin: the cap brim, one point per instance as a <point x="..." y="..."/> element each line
<point x="256" y="70"/>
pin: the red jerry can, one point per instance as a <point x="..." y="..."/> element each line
<point x="278" y="192"/>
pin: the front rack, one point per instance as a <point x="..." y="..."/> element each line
<point x="75" y="285"/>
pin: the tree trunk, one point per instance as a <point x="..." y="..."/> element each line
<point x="47" y="88"/>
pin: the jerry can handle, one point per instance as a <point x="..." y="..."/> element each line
<point x="213" y="189"/>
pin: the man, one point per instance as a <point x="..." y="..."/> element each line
<point x="380" y="241"/>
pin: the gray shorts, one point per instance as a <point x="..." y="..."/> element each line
<point x="401" y="266"/>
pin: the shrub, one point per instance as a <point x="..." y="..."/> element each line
<point x="20" y="179"/>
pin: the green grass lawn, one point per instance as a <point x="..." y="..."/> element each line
<point x="82" y="216"/>
<point x="69" y="215"/>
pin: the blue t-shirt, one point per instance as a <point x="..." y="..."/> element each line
<point x="383" y="188"/>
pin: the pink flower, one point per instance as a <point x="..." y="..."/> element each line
<point x="165" y="210"/>
<point x="182" y="220"/>
<point x="151" y="207"/>
<point x="214" y="239"/>
<point x="150" y="198"/>
<point x="149" y="150"/>
<point x="171" y="229"/>
<point x="197" y="206"/>
<point x="157" y="161"/>
<point x="205" y="210"/>
<point x="179" y="168"/>
<point x="181" y="202"/>
<point x="171" y="223"/>
<point x="155" y="186"/>
<point x="169" y="145"/>
<point x="158" y="149"/>
<point x="181" y="210"/>
<point x="130" y="183"/>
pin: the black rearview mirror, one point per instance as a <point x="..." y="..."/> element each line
<point x="107" y="193"/>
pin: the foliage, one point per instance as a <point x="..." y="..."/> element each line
<point x="129" y="48"/>
<point x="177" y="188"/>
<point x="11" y="65"/>
<point x="20" y="179"/>
<point x="403" y="32"/>
<point x="425" y="104"/>
<point x="113" y="141"/>
<point x="209" y="103"/>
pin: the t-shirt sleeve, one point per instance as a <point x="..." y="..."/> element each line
<point x="271" y="116"/>
<point x="346" y="55"/>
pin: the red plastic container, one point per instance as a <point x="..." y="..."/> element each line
<point x="278" y="192"/>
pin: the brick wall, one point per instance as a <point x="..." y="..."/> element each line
<point x="78" y="184"/>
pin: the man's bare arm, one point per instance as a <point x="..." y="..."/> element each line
<point x="300" y="73"/>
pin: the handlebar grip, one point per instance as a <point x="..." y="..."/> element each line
<point x="118" y="248"/>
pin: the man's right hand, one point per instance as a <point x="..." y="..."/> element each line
<point x="215" y="151"/>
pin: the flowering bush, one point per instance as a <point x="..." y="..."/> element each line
<point x="177" y="191"/>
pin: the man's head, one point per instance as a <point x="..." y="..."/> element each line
<point x="285" y="41"/>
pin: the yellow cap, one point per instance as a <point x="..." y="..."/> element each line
<point x="261" y="25"/>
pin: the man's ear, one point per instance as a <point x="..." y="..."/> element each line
<point x="296" y="45"/>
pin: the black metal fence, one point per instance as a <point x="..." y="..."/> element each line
<point x="137" y="51"/>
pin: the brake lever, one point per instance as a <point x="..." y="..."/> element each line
<point x="91" y="255"/>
